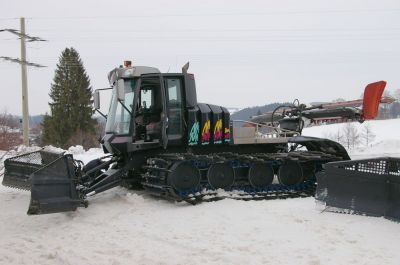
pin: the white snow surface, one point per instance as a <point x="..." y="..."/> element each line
<point x="121" y="226"/>
<point x="386" y="142"/>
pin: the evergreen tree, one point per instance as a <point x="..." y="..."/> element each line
<point x="70" y="122"/>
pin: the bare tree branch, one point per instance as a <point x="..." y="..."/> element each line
<point x="367" y="135"/>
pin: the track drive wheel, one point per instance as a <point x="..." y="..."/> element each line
<point x="184" y="176"/>
<point x="290" y="173"/>
<point x="260" y="175"/>
<point x="221" y="176"/>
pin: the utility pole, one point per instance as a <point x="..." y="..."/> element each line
<point x="25" y="110"/>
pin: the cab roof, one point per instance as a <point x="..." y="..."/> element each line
<point x="130" y="72"/>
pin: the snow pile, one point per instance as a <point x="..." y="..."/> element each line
<point x="50" y="148"/>
<point x="76" y="150"/>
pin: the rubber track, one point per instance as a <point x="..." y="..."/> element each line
<point x="156" y="184"/>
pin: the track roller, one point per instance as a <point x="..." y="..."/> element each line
<point x="221" y="176"/>
<point x="184" y="176"/>
<point x="260" y="175"/>
<point x="290" y="173"/>
<point x="308" y="170"/>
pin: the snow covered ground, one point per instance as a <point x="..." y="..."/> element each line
<point x="127" y="227"/>
<point x="386" y="142"/>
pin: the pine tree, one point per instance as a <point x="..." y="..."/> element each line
<point x="70" y="122"/>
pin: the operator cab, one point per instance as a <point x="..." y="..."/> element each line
<point x="160" y="100"/>
<point x="146" y="109"/>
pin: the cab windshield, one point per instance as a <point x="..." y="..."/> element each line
<point x="119" y="119"/>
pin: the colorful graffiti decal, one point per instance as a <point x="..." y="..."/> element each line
<point x="194" y="134"/>
<point x="218" y="132"/>
<point x="205" y="134"/>
<point x="227" y="135"/>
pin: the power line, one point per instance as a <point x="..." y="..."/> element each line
<point x="22" y="35"/>
<point x="23" y="62"/>
<point x="17" y="60"/>
<point x="216" y="30"/>
<point x="236" y="39"/>
<point x="222" y="14"/>
<point x="26" y="36"/>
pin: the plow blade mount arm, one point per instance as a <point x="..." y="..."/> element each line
<point x="370" y="186"/>
<point x="53" y="188"/>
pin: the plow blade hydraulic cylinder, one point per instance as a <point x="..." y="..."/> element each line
<point x="370" y="187"/>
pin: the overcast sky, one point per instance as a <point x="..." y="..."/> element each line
<point x="242" y="53"/>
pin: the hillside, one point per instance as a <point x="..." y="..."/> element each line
<point x="246" y="113"/>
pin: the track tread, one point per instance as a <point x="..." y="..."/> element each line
<point x="156" y="173"/>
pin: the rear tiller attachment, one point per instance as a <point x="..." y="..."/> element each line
<point x="370" y="187"/>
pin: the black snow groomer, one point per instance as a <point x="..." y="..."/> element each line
<point x="161" y="139"/>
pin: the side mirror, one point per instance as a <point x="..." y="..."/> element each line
<point x="96" y="99"/>
<point x="121" y="90"/>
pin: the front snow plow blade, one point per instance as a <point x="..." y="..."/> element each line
<point x="18" y="169"/>
<point x="53" y="187"/>
<point x="370" y="187"/>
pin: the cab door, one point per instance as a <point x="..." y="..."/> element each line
<point x="151" y="108"/>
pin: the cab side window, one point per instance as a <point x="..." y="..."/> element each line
<point x="174" y="105"/>
<point x="149" y="109"/>
<point x="146" y="99"/>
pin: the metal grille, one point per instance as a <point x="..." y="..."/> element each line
<point x="380" y="166"/>
<point x="18" y="169"/>
<point x="29" y="158"/>
<point x="370" y="186"/>
<point x="35" y="158"/>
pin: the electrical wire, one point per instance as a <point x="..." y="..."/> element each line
<point x="294" y="12"/>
